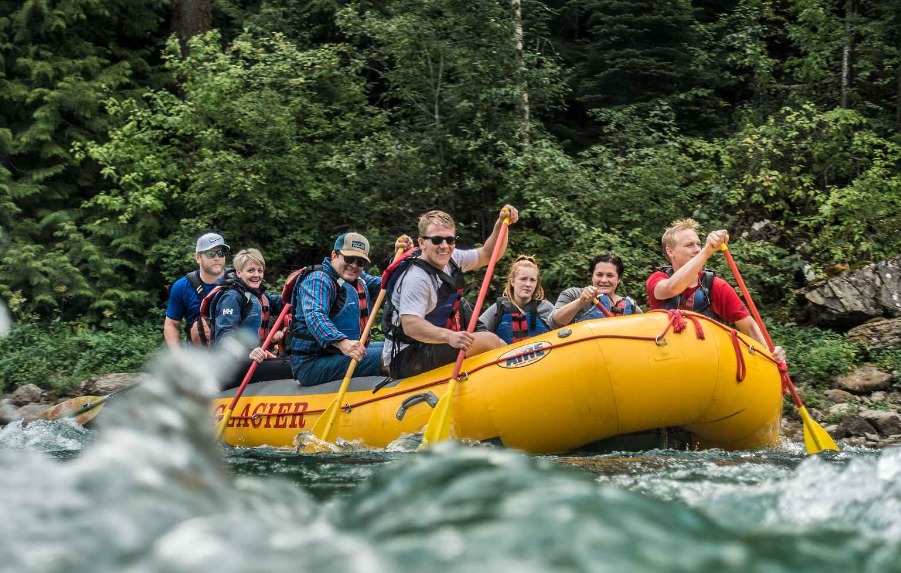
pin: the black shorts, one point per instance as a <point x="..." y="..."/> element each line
<point x="418" y="358"/>
<point x="269" y="369"/>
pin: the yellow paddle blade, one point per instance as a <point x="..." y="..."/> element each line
<point x="325" y="431"/>
<point x="220" y="427"/>
<point x="438" y="428"/>
<point x="81" y="409"/>
<point x="816" y="439"/>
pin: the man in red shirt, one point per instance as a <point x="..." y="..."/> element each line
<point x="688" y="286"/>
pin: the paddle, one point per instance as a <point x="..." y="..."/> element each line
<point x="815" y="437"/>
<point x="601" y="307"/>
<point x="438" y="428"/>
<point x="83" y="408"/>
<point x="226" y="416"/>
<point x="325" y="429"/>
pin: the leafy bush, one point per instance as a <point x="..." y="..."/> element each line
<point x="809" y="397"/>
<point x="826" y="178"/>
<point x="888" y="360"/>
<point x="768" y="270"/>
<point x="815" y="356"/>
<point x="56" y="356"/>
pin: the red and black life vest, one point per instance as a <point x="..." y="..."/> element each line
<point x="198" y="331"/>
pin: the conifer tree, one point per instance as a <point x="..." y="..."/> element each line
<point x="58" y="62"/>
<point x="642" y="51"/>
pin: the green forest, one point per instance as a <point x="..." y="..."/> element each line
<point x="130" y="127"/>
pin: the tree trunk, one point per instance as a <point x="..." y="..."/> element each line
<point x="898" y="100"/>
<point x="190" y="18"/>
<point x="520" y="71"/>
<point x="850" y="14"/>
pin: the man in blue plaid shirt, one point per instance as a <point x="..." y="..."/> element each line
<point x="330" y="313"/>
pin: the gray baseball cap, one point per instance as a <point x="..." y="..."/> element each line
<point x="209" y="241"/>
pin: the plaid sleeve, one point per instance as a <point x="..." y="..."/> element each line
<point x="317" y="294"/>
<point x="373" y="284"/>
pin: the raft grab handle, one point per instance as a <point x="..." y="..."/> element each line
<point x="427" y="397"/>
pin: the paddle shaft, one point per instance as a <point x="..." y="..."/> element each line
<point x="753" y="308"/>
<point x="101" y="401"/>
<point x="483" y="292"/>
<point x="601" y="307"/>
<point x="226" y="416"/>
<point x="816" y="439"/>
<point x="322" y="431"/>
<point x="438" y="426"/>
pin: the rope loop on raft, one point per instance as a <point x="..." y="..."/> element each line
<point x="786" y="381"/>
<point x="677" y="323"/>
<point x="741" y="369"/>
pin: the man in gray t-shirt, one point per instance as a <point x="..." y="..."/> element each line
<point x="426" y="329"/>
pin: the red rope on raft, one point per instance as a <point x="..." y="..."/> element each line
<point x="676" y="322"/>
<point x="786" y="381"/>
<point x="739" y="357"/>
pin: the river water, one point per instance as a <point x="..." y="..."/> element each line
<point x="149" y="490"/>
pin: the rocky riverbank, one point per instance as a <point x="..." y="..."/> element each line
<point x="863" y="408"/>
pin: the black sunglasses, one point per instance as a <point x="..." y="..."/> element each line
<point x="436" y="240"/>
<point x="214" y="253"/>
<point x="359" y="261"/>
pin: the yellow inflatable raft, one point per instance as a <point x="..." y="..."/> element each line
<point x="560" y="391"/>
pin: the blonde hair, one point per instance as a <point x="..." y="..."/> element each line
<point x="248" y="256"/>
<point x="669" y="235"/>
<point x="435" y="217"/>
<point x="520" y="262"/>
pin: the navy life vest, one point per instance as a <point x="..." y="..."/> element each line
<point x="701" y="300"/>
<point x="451" y="311"/>
<point x="625" y="305"/>
<point x="349" y="316"/>
<point x="514" y="324"/>
<point x="230" y="281"/>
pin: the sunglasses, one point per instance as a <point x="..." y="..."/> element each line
<point x="214" y="253"/>
<point x="436" y="240"/>
<point x="359" y="261"/>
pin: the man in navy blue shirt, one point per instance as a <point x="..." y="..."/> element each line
<point x="187" y="292"/>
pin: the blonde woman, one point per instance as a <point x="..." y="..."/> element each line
<point x="240" y="308"/>
<point x="522" y="311"/>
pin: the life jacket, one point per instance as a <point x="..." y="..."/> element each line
<point x="514" y="324"/>
<point x="230" y="281"/>
<point x="625" y="305"/>
<point x="451" y="311"/>
<point x="592" y="314"/>
<point x="198" y="331"/>
<point x="348" y="313"/>
<point x="701" y="300"/>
